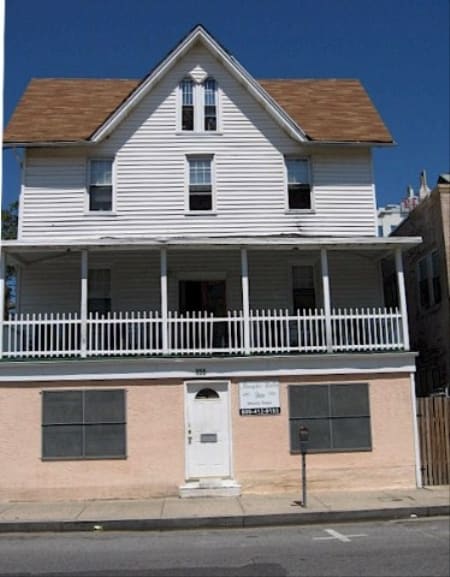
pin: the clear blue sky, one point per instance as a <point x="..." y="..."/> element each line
<point x="399" y="49"/>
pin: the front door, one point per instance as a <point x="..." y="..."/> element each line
<point x="207" y="430"/>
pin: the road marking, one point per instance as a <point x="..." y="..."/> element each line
<point x="336" y="535"/>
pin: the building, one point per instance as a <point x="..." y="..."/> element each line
<point x="427" y="274"/>
<point x="198" y="276"/>
<point x="391" y="215"/>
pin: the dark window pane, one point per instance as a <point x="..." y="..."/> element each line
<point x="62" y="441"/>
<point x="200" y="202"/>
<point x="63" y="407"/>
<point x="104" y="407"/>
<point x="304" y="299"/>
<point x="319" y="434"/>
<point x="352" y="433"/>
<point x="210" y="118"/>
<point x="100" y="198"/>
<point x="424" y="293"/>
<point x="437" y="293"/>
<point x="104" y="440"/>
<point x="308" y="401"/>
<point x="349" y="400"/>
<point x="188" y="118"/>
<point x="100" y="305"/>
<point x="299" y="196"/>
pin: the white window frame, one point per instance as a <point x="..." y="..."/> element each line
<point x="187" y="210"/>
<point x="308" y="160"/>
<point x="87" y="210"/>
<point x="198" y="93"/>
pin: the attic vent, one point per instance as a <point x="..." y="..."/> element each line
<point x="198" y="75"/>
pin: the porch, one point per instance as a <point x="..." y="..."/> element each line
<point x="270" y="297"/>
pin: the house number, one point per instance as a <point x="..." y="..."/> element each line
<point x="200" y="371"/>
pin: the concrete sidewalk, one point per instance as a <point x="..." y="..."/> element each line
<point x="214" y="512"/>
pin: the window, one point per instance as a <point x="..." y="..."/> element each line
<point x="187" y="106"/>
<point x="337" y="416"/>
<point x="303" y="291"/>
<point x="429" y="280"/>
<point x="198" y="104"/>
<point x="100" y="185"/>
<point x="83" y="424"/>
<point x="200" y="184"/>
<point x="99" y="291"/>
<point x="299" y="188"/>
<point x="210" y="104"/>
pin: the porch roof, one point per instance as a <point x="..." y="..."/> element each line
<point x="252" y="242"/>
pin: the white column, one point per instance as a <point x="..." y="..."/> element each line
<point x="84" y="302"/>
<point x="164" y="305"/>
<point x="2" y="296"/>
<point x="402" y="297"/>
<point x="245" y="300"/>
<point x="415" y="432"/>
<point x="326" y="298"/>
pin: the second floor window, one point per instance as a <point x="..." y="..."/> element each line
<point x="429" y="280"/>
<point x="100" y="185"/>
<point x="298" y="183"/>
<point x="200" y="184"/>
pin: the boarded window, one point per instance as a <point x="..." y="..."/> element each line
<point x="337" y="417"/>
<point x="83" y="424"/>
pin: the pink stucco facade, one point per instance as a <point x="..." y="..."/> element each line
<point x="155" y="463"/>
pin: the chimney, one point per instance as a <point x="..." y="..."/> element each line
<point x="424" y="190"/>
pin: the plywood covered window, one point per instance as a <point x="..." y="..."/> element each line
<point x="336" y="415"/>
<point x="83" y="424"/>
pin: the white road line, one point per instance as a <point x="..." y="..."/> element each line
<point x="336" y="535"/>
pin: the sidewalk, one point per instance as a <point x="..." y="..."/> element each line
<point x="214" y="512"/>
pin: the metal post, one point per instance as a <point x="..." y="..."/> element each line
<point x="303" y="434"/>
<point x="303" y="479"/>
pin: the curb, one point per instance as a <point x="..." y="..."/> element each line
<point x="224" y="522"/>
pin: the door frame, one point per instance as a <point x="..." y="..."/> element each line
<point x="206" y="383"/>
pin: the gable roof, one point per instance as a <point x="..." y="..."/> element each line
<point x="77" y="110"/>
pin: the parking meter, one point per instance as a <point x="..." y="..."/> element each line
<point x="303" y="435"/>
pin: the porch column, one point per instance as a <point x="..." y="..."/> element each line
<point x="326" y="298"/>
<point x="84" y="302"/>
<point x="245" y="300"/>
<point x="2" y="296"/>
<point x="164" y="306"/>
<point x="402" y="296"/>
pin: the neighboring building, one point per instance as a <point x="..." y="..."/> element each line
<point x="391" y="215"/>
<point x="427" y="273"/>
<point x="199" y="275"/>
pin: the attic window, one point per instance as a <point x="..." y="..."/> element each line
<point x="198" y="106"/>
<point x="187" y="108"/>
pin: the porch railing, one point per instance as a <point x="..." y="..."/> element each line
<point x="140" y="333"/>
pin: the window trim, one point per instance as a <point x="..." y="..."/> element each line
<point x="87" y="209"/>
<point x="330" y="449"/>
<point x="187" y="210"/>
<point x="198" y="96"/>
<point x="308" y="160"/>
<point x="427" y="259"/>
<point x="84" y="457"/>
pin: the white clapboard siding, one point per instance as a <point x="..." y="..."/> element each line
<point x="54" y="286"/>
<point x="150" y="158"/>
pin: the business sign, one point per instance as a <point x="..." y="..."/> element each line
<point x="259" y="398"/>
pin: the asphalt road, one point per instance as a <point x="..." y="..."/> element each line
<point x="414" y="547"/>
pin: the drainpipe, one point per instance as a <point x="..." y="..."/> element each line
<point x="415" y="433"/>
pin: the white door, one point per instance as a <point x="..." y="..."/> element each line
<point x="207" y="430"/>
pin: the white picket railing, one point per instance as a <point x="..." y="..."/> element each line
<point x="141" y="333"/>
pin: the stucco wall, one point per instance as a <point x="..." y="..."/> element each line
<point x="155" y="442"/>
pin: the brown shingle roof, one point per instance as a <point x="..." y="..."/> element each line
<point x="70" y="110"/>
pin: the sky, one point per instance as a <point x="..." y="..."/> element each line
<point x="399" y="49"/>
